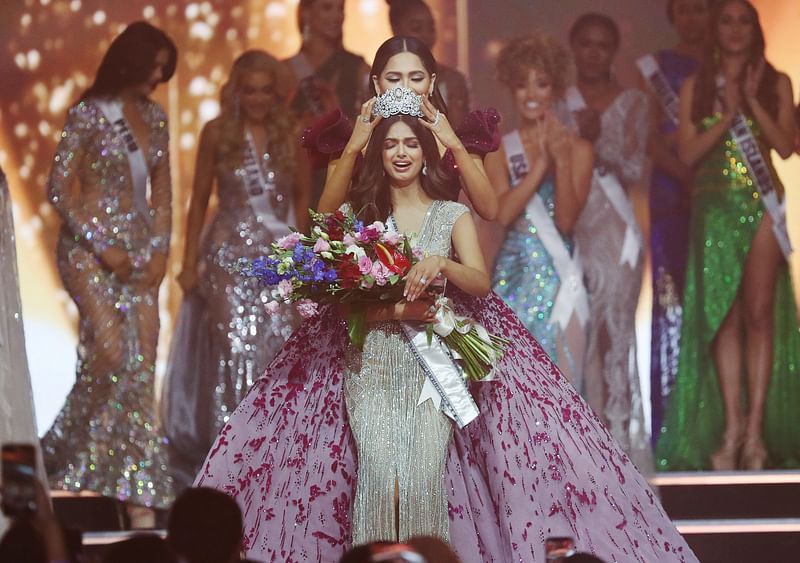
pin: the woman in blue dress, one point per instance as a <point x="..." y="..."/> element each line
<point x="542" y="174"/>
<point x="669" y="196"/>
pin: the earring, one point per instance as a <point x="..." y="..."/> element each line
<point x="424" y="168"/>
<point x="306" y="32"/>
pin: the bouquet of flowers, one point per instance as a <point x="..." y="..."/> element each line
<point x="342" y="261"/>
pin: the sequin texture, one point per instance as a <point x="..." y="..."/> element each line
<point x="224" y="338"/>
<point x="106" y="439"/>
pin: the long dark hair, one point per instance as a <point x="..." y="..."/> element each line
<point x="131" y="58"/>
<point x="705" y="87"/>
<point x="370" y="195"/>
<point x="399" y="44"/>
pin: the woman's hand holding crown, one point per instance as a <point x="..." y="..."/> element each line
<point x="365" y="123"/>
<point x="437" y="122"/>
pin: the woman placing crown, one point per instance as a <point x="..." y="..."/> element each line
<point x="406" y="61"/>
<point x="333" y="446"/>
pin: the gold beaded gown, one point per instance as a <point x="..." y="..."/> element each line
<point x="402" y="446"/>
<point x="106" y="439"/>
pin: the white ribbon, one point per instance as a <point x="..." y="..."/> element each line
<point x="261" y="188"/>
<point x="140" y="175"/>
<point x="759" y="172"/>
<point x="632" y="244"/>
<point x="444" y="382"/>
<point x="666" y="96"/>
<point x="572" y="296"/>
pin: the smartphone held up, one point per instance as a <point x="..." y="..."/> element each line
<point x="17" y="487"/>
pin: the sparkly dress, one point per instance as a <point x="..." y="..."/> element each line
<point x="224" y="338"/>
<point x="726" y="213"/>
<point x="17" y="420"/>
<point x="527" y="280"/>
<point x="669" y="243"/>
<point x="396" y="440"/>
<point x="105" y="439"/>
<point x="611" y="378"/>
<point x="537" y="462"/>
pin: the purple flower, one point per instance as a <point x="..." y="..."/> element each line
<point x="306" y="308"/>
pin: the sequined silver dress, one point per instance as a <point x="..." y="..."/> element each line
<point x="401" y="446"/>
<point x="612" y="386"/>
<point x="224" y="338"/>
<point x="106" y="439"/>
<point x="17" y="420"/>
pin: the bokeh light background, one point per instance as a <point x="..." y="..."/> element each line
<point x="51" y="48"/>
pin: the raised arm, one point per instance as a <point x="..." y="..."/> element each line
<point x="198" y="204"/>
<point x="573" y="159"/>
<point x="512" y="202"/>
<point x="779" y="132"/>
<point x="470" y="167"/>
<point x="340" y="170"/>
<point x="693" y="144"/>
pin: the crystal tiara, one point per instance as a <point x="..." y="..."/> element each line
<point x="399" y="100"/>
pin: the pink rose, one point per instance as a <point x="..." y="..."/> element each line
<point x="289" y="241"/>
<point x="272" y="307"/>
<point x="381" y="273"/>
<point x="306" y="308"/>
<point x="372" y="232"/>
<point x="364" y="264"/>
<point x="285" y="288"/>
<point x="349" y="240"/>
<point x="417" y="253"/>
<point x="321" y="245"/>
<point x="391" y="237"/>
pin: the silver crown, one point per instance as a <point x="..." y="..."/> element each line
<point x="399" y="100"/>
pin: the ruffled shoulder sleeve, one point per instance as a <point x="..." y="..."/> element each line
<point x="480" y="131"/>
<point x="327" y="137"/>
<point x="480" y="134"/>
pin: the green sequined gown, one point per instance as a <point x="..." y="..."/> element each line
<point x="726" y="212"/>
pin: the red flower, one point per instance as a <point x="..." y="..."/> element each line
<point x="333" y="225"/>
<point x="348" y="273"/>
<point x="393" y="259"/>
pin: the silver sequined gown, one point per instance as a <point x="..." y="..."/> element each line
<point x="611" y="376"/>
<point x="106" y="438"/>
<point x="401" y="446"/>
<point x="224" y="338"/>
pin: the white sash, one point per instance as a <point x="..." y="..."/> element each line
<point x="140" y="175"/>
<point x="444" y="380"/>
<point x="612" y="188"/>
<point x="261" y="190"/>
<point x="762" y="179"/>
<point x="660" y="86"/>
<point x="571" y="297"/>
<point x="759" y="172"/>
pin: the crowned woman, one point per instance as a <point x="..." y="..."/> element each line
<point x="337" y="445"/>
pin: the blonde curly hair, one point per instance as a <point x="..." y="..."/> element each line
<point x="279" y="123"/>
<point x="540" y="51"/>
